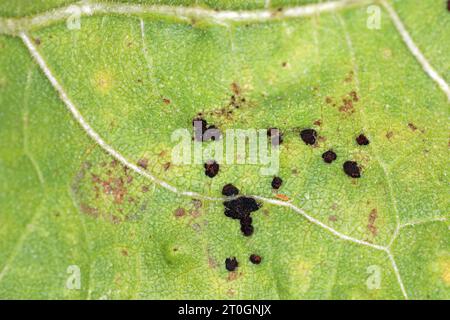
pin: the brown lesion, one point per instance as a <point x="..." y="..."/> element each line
<point x="234" y="275"/>
<point x="236" y="101"/>
<point x="332" y="218"/>
<point x="373" y="215"/>
<point x="104" y="192"/>
<point x="349" y="77"/>
<point x="179" y="212"/>
<point x="347" y="105"/>
<point x="143" y="163"/>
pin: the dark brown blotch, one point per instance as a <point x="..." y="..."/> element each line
<point x="255" y="259"/>
<point x="230" y="190"/>
<point x="231" y="264"/>
<point x="277" y="182"/>
<point x="308" y="136"/>
<point x="211" y="168"/>
<point x="329" y="156"/>
<point x="362" y="140"/>
<point x="352" y="169"/>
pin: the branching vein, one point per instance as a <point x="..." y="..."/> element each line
<point x="17" y="25"/>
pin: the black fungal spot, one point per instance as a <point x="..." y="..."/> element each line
<point x="230" y="190"/>
<point x="240" y="209"/>
<point x="329" y="156"/>
<point x="448" y="5"/>
<point x="246" y="220"/>
<point x="231" y="264"/>
<point x="255" y="259"/>
<point x="203" y="131"/>
<point x="211" y="168"/>
<point x="275" y="136"/>
<point x="308" y="136"/>
<point x="362" y="140"/>
<point x="276" y="182"/>
<point x="247" y="229"/>
<point x="351" y="169"/>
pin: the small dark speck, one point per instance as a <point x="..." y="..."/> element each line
<point x="351" y="169"/>
<point x="231" y="264"/>
<point x="230" y="190"/>
<point x="308" y="136"/>
<point x="412" y="126"/>
<point x="37" y="41"/>
<point x="255" y="259"/>
<point x="143" y="163"/>
<point x="211" y="168"/>
<point x="276" y="182"/>
<point x="329" y="156"/>
<point x="362" y="140"/>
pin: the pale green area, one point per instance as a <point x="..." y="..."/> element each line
<point x="54" y="214"/>
<point x="419" y="17"/>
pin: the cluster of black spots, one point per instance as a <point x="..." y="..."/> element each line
<point x="246" y="225"/>
<point x="211" y="168"/>
<point x="352" y="169"/>
<point x="231" y="264"/>
<point x="275" y="135"/>
<point x="255" y="259"/>
<point x="329" y="156"/>
<point x="240" y="209"/>
<point x="276" y="183"/>
<point x="362" y="140"/>
<point x="308" y="136"/>
<point x="203" y="131"/>
<point x="229" y="190"/>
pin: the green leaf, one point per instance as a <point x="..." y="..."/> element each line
<point x="80" y="108"/>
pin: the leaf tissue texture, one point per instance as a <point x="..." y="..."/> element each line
<point x="93" y="207"/>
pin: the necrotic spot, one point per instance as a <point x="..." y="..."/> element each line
<point x="362" y="140"/>
<point x="230" y="190"/>
<point x="255" y="259"/>
<point x="276" y="182"/>
<point x="308" y="136"/>
<point x="231" y="264"/>
<point x="211" y="168"/>
<point x="351" y="169"/>
<point x="329" y="156"/>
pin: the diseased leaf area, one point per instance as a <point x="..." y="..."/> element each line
<point x="358" y="210"/>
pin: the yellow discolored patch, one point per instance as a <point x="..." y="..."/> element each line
<point x="301" y="272"/>
<point x="103" y="81"/>
<point x="445" y="269"/>
<point x="387" y="53"/>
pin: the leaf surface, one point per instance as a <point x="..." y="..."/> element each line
<point x="135" y="78"/>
